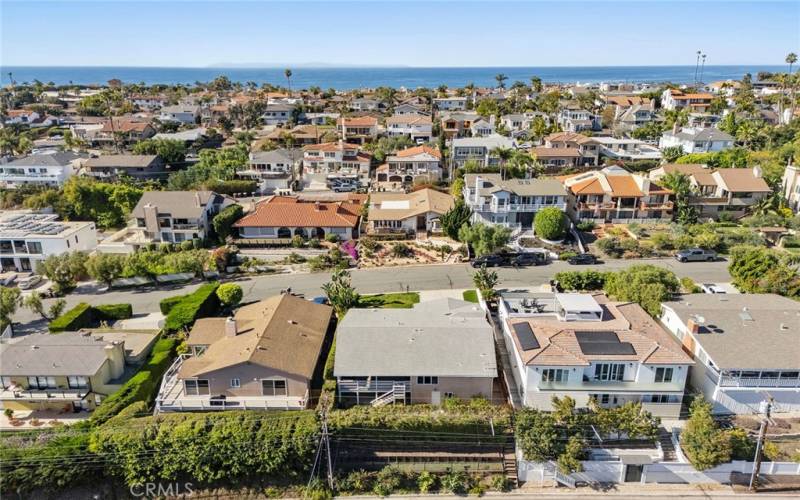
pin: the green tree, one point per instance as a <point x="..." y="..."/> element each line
<point x="105" y="203"/>
<point x="63" y="270"/>
<point x="105" y="267"/>
<point x="550" y="224"/>
<point x="34" y="303"/>
<point x="483" y="238"/>
<point x="791" y="58"/>
<point x="569" y="460"/>
<point x="646" y="285"/>
<point x="501" y="80"/>
<point x="485" y="281"/>
<point x="672" y="153"/>
<point x="703" y="442"/>
<point x="457" y="189"/>
<point x="230" y="294"/>
<point x="173" y="152"/>
<point x="454" y="219"/>
<point x="536" y="84"/>
<point x="340" y="292"/>
<point x="9" y="300"/>
<point x="537" y="435"/>
<point x="288" y="74"/>
<point x="224" y="220"/>
<point x="487" y="108"/>
<point x="681" y="186"/>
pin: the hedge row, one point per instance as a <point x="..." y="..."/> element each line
<point x="80" y="316"/>
<point x="142" y="386"/>
<point x="167" y="304"/>
<point x="201" y="303"/>
<point x="84" y="316"/>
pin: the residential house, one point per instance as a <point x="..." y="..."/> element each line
<point x="408" y="108"/>
<point x="409" y="166"/>
<point x="696" y="140"/>
<point x="511" y="202"/>
<point x="519" y="123"/>
<point x="555" y="159"/>
<point x="320" y="118"/>
<point x="70" y="372"/>
<point x="574" y="119"/>
<point x="458" y="124"/>
<point x="181" y="113"/>
<point x="587" y="148"/>
<point x="450" y="103"/>
<point x="272" y="170"/>
<point x="188" y="137"/>
<point x="587" y="347"/>
<point x="175" y="216"/>
<point x="278" y="114"/>
<point x="301" y="135"/>
<point x="410" y="213"/>
<point x="439" y="349"/>
<point x="730" y="191"/>
<point x="358" y="129"/>
<point x="262" y="358"/>
<point x="791" y="187"/>
<point x="28" y="238"/>
<point x="48" y="169"/>
<point x="626" y="149"/>
<point x="117" y="131"/>
<point x="285" y="216"/>
<point x="365" y="104"/>
<point x="416" y="127"/>
<point x="21" y="116"/>
<point x="479" y="149"/>
<point x="335" y="157"/>
<point x="113" y="167"/>
<point x="678" y="99"/>
<point x="746" y="348"/>
<point x="148" y="101"/>
<point x="482" y="127"/>
<point x="628" y="118"/>
<point x="614" y="194"/>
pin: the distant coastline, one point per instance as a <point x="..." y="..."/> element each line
<point x="346" y="78"/>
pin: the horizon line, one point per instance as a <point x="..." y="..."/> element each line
<point x="301" y="66"/>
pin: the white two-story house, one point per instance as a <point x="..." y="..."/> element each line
<point x="511" y="203"/>
<point x="404" y="168"/>
<point x="182" y="113"/>
<point x="576" y="120"/>
<point x="417" y="127"/>
<point x="588" y="347"/>
<point x="28" y="238"/>
<point x="746" y="348"/>
<point x="479" y="149"/>
<point x="697" y="140"/>
<point x="335" y="157"/>
<point x="50" y="169"/>
<point x="450" y="103"/>
<point x="271" y="169"/>
<point x="176" y="216"/>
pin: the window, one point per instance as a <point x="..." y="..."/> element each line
<point x="426" y="380"/>
<point x="235" y="383"/>
<point x="41" y="382"/>
<point x="273" y="387"/>
<point x="6" y="382"/>
<point x="555" y="375"/>
<point x="77" y="382"/>
<point x="196" y="387"/>
<point x="664" y="374"/>
<point x="604" y="399"/>
<point x="34" y="247"/>
<point x="660" y="398"/>
<point x="609" y="371"/>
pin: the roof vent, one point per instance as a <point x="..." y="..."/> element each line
<point x="34" y="347"/>
<point x="291" y="321"/>
<point x="784" y="327"/>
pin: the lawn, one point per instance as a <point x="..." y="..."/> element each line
<point x="389" y="300"/>
<point x="471" y="296"/>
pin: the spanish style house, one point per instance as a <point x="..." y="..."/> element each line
<point x="588" y="347"/>
<point x="285" y="216"/>
<point x="406" y="167"/>
<point x="746" y="348"/>
<point x="358" y="129"/>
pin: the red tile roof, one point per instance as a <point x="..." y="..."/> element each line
<point x="287" y="211"/>
<point x="419" y="150"/>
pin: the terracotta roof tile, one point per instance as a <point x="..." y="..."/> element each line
<point x="287" y="211"/>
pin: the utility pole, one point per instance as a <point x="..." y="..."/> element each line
<point x="324" y="445"/>
<point x="762" y="432"/>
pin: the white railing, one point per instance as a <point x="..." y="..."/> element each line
<point x="380" y="386"/>
<point x="45" y="394"/>
<point x="726" y="381"/>
<point x="521" y="207"/>
<point x="206" y="403"/>
<point x="562" y="478"/>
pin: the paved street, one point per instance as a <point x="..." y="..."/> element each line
<point x="389" y="279"/>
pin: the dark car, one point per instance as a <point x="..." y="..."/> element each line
<point x="529" y="259"/>
<point x="488" y="261"/>
<point x="582" y="259"/>
<point x="696" y="255"/>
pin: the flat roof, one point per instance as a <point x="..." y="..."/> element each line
<point x="583" y="302"/>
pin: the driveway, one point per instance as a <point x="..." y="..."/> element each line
<point x="377" y="280"/>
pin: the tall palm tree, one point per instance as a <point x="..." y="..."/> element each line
<point x="501" y="80"/>
<point x="503" y="154"/>
<point x="288" y="74"/>
<point x="791" y="58"/>
<point x="702" y="67"/>
<point x="696" y="66"/>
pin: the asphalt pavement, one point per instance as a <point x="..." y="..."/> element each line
<point x="376" y="280"/>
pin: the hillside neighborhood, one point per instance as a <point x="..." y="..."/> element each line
<point x="308" y="292"/>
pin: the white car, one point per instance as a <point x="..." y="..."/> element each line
<point x="712" y="288"/>
<point x="29" y="282"/>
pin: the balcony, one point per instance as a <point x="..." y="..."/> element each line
<point x="611" y="386"/>
<point x="52" y="394"/>
<point x="663" y="205"/>
<point x="183" y="227"/>
<point x="747" y="382"/>
<point x="596" y="205"/>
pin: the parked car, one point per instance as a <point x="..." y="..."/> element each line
<point x="696" y="255"/>
<point x="582" y="259"/>
<point x="529" y="259"/>
<point x="712" y="288"/>
<point x="489" y="261"/>
<point x="29" y="282"/>
<point x="320" y="300"/>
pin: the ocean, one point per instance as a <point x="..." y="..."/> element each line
<point x="362" y="77"/>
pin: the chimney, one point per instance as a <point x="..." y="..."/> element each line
<point x="478" y="186"/>
<point x="230" y="327"/>
<point x="693" y="326"/>
<point x="115" y="355"/>
<point x="675" y="127"/>
<point x="197" y="199"/>
<point x="757" y="172"/>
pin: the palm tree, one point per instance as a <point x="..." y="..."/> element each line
<point x="696" y="67"/>
<point x="501" y="80"/>
<point x="288" y="74"/>
<point x="503" y="154"/>
<point x="791" y="58"/>
<point x="702" y="67"/>
<point x="536" y="84"/>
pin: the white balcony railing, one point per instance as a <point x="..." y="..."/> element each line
<point x="726" y="381"/>
<point x="44" y="394"/>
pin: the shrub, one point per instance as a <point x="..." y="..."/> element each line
<point x="662" y="241"/>
<point x="165" y="247"/>
<point x="567" y="255"/>
<point x="369" y="243"/>
<point x="224" y="220"/>
<point x="585" y="226"/>
<point x="550" y="224"/>
<point x="186" y="245"/>
<point x="108" y="312"/>
<point x="201" y="303"/>
<point x="401" y="250"/>
<point x="332" y="238"/>
<point x="610" y="246"/>
<point x="141" y="387"/>
<point x="500" y="483"/>
<point x="456" y="482"/>
<point x="478" y="489"/>
<point x="80" y="316"/>
<point x="358" y="481"/>
<point x="298" y="241"/>
<point x="295" y="258"/>
<point x="230" y="294"/>
<point x="582" y="280"/>
<point x="314" y="243"/>
<point x="426" y="482"/>
<point x="646" y="285"/>
<point x="688" y="285"/>
<point x="167" y="304"/>
<point x="387" y="480"/>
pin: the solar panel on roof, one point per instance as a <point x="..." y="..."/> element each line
<point x="525" y="336"/>
<point x="603" y="343"/>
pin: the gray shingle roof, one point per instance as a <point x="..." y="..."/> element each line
<point x="179" y="204"/>
<point x="68" y="353"/>
<point x="444" y="338"/>
<point x="59" y="159"/>
<point x="521" y="187"/>
<point x="122" y="161"/>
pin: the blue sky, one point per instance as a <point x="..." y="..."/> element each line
<point x="202" y="33"/>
